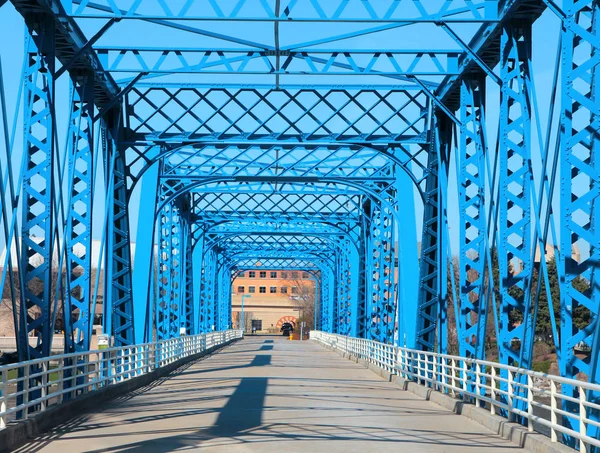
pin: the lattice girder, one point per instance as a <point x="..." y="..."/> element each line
<point x="38" y="203"/>
<point x="580" y="228"/>
<point x="471" y="322"/>
<point x="182" y="114"/>
<point x="417" y="11"/>
<point x="79" y="221"/>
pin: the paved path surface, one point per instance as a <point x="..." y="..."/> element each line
<point x="266" y="394"/>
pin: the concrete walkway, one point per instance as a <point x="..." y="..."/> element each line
<point x="267" y="394"/>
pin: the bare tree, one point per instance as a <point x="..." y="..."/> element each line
<point x="248" y="317"/>
<point x="305" y="295"/>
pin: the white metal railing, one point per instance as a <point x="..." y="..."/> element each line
<point x="504" y="390"/>
<point x="28" y="388"/>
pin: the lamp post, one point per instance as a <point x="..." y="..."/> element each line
<point x="242" y="315"/>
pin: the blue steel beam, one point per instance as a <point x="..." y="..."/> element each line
<point x="580" y="193"/>
<point x="183" y="114"/>
<point x="37" y="216"/>
<point x="69" y="44"/>
<point x="515" y="229"/>
<point x="380" y="62"/>
<point x="485" y="47"/>
<point x="188" y="307"/>
<point x="170" y="272"/>
<point x="388" y="11"/>
<point x="379" y="273"/>
<point x="208" y="273"/>
<point x="429" y="304"/>
<point x="471" y="322"/>
<point x="281" y="161"/>
<point x="118" y="303"/>
<point x="78" y="316"/>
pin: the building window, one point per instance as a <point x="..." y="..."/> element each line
<point x="263" y="274"/>
<point x="252" y="274"/>
<point x="304" y="274"/>
<point x="242" y="274"/>
<point x="294" y="274"/>
<point x="241" y="289"/>
<point x="284" y="275"/>
<point x="251" y="289"/>
<point x="262" y="289"/>
<point x="256" y="324"/>
<point x="273" y="289"/>
<point x="294" y="290"/>
<point x="284" y="290"/>
<point x="273" y="274"/>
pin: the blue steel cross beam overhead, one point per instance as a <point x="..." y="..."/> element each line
<point x="392" y="62"/>
<point x="185" y="114"/>
<point x="387" y="11"/>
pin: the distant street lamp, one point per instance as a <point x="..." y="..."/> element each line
<point x="242" y="316"/>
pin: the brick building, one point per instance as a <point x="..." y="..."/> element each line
<point x="270" y="298"/>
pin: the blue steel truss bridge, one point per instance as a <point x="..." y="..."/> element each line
<point x="431" y="164"/>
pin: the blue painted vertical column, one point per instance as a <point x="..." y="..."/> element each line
<point x="472" y="305"/>
<point x="145" y="260"/>
<point x="78" y="235"/>
<point x="431" y="271"/>
<point x="223" y="296"/>
<point x="362" y="242"/>
<point x="370" y="251"/>
<point x="197" y="245"/>
<point x="344" y="298"/>
<point x="408" y="260"/>
<point x="329" y="294"/>
<point x="579" y="219"/>
<point x="170" y="269"/>
<point x="354" y="258"/>
<point x="188" y="306"/>
<point x="207" y="290"/>
<point x="339" y="294"/>
<point x="37" y="215"/>
<point x="118" y="296"/>
<point x="515" y="229"/>
<point x="382" y="313"/>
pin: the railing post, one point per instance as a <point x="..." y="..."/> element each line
<point x="464" y="381"/>
<point x="440" y="373"/>
<point x="582" y="419"/>
<point x="453" y="366"/>
<point x="26" y="391"/>
<point x="3" y="417"/>
<point x="509" y="397"/>
<point x="86" y="372"/>
<point x="529" y="403"/>
<point x="493" y="391"/>
<point x="44" y="390"/>
<point x="553" y="416"/>
<point x="477" y="385"/>
<point x="444" y="369"/>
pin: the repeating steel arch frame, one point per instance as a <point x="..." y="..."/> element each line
<point x="505" y="215"/>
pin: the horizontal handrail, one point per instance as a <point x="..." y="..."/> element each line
<point x="30" y="387"/>
<point x="505" y="390"/>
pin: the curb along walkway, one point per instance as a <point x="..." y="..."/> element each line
<point x="268" y="394"/>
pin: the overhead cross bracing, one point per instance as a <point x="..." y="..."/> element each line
<point x="423" y="159"/>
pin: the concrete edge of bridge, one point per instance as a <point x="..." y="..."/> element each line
<point x="20" y="432"/>
<point x="513" y="432"/>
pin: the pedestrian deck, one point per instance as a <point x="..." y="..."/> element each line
<point x="267" y="394"/>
